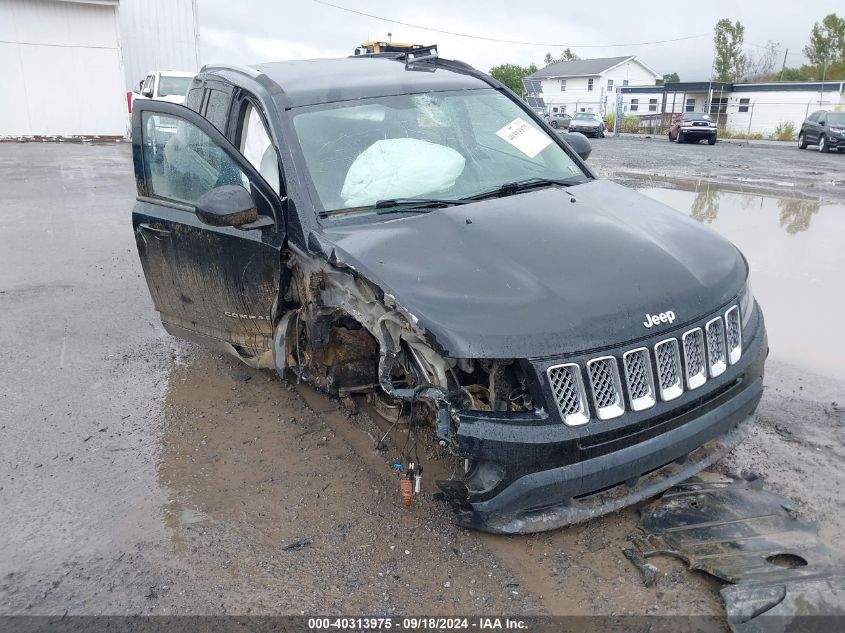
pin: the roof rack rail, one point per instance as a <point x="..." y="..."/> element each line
<point x="246" y="70"/>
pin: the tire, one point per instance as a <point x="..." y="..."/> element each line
<point x="823" y="146"/>
<point x="802" y="141"/>
<point x="711" y="140"/>
<point x="680" y="137"/>
<point x="670" y="137"/>
<point x="555" y="124"/>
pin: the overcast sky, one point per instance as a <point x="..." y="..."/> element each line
<point x="262" y="30"/>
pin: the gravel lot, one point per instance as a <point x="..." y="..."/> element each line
<point x="142" y="475"/>
<point x="780" y="169"/>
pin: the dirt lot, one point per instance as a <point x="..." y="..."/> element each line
<point x="140" y="475"/>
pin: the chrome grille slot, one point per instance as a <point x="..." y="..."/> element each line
<point x="694" y="362"/>
<point x="668" y="362"/>
<point x="733" y="334"/>
<point x="639" y="377"/>
<point x="568" y="389"/>
<point x="716" y="357"/>
<point x="606" y="387"/>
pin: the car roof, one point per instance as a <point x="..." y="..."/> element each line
<point x="313" y="81"/>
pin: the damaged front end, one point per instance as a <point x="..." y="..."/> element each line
<point x="345" y="335"/>
<point x="529" y="463"/>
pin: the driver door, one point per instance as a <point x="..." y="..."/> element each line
<point x="218" y="282"/>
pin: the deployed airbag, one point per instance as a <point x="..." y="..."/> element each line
<point x="400" y="168"/>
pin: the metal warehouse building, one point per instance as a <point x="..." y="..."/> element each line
<point x="66" y="65"/>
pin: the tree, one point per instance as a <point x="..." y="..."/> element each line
<point x="670" y="77"/>
<point x="512" y="75"/>
<point x="827" y="42"/>
<point x="762" y="63"/>
<point x="730" y="62"/>
<point x="566" y="56"/>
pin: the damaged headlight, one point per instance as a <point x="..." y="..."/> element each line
<point x="746" y="303"/>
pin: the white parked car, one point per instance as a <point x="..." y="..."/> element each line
<point x="165" y="85"/>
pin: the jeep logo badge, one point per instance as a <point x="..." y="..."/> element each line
<point x="655" y="319"/>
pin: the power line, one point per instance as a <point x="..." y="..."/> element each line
<point x="502" y="41"/>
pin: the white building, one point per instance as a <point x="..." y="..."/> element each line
<point x="588" y="85"/>
<point x="62" y="62"/>
<point x="755" y="108"/>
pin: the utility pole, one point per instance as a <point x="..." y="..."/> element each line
<point x="783" y="66"/>
<point x="824" y="74"/>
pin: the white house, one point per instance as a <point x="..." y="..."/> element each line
<point x="755" y="108"/>
<point x="62" y="62"/>
<point x="588" y="85"/>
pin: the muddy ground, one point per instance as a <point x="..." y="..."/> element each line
<point x="143" y="475"/>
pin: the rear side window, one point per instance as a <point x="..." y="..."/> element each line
<point x="217" y="104"/>
<point x="193" y="100"/>
<point x="181" y="162"/>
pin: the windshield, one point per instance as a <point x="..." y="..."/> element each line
<point x="169" y="86"/>
<point x="586" y="116"/>
<point x="445" y="145"/>
<point x="696" y="116"/>
<point x="836" y="118"/>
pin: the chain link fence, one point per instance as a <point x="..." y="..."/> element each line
<point x="736" y="116"/>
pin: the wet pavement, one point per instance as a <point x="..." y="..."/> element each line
<point x="139" y="474"/>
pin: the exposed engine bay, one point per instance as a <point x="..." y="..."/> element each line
<point x="345" y="336"/>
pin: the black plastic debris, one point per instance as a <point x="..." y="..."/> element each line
<point x="783" y="577"/>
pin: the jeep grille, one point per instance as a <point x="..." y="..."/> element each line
<point x="674" y="365"/>
<point x="639" y="377"/>
<point x="734" y="334"/>
<point x="696" y="372"/>
<point x="716" y="359"/>
<point x="568" y="389"/>
<point x="607" y="389"/>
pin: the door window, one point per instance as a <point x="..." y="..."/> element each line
<point x="257" y="147"/>
<point x="181" y="162"/>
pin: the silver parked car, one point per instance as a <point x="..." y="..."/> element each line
<point x="588" y="123"/>
<point x="559" y="120"/>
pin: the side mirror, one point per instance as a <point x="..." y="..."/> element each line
<point x="579" y="143"/>
<point x="228" y="205"/>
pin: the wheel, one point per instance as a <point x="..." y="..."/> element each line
<point x="823" y="146"/>
<point x="802" y="142"/>
<point x="680" y="137"/>
<point x="555" y="124"/>
<point x="670" y="136"/>
<point x="711" y="140"/>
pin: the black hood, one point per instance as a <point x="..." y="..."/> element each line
<point x="535" y="275"/>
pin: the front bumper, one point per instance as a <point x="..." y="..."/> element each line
<point x="698" y="131"/>
<point x="836" y="139"/>
<point x="586" y="130"/>
<point x="556" y="477"/>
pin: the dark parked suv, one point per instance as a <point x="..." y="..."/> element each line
<point x="408" y="229"/>
<point x="824" y="129"/>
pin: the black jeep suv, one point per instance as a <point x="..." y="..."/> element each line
<point x="409" y="229"/>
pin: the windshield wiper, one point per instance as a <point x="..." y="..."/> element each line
<point x="427" y="203"/>
<point x="518" y="186"/>
<point x="399" y="205"/>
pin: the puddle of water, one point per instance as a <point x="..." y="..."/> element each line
<point x="796" y="250"/>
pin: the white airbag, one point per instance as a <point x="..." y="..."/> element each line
<point x="400" y="168"/>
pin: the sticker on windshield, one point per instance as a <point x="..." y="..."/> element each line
<point x="524" y="137"/>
